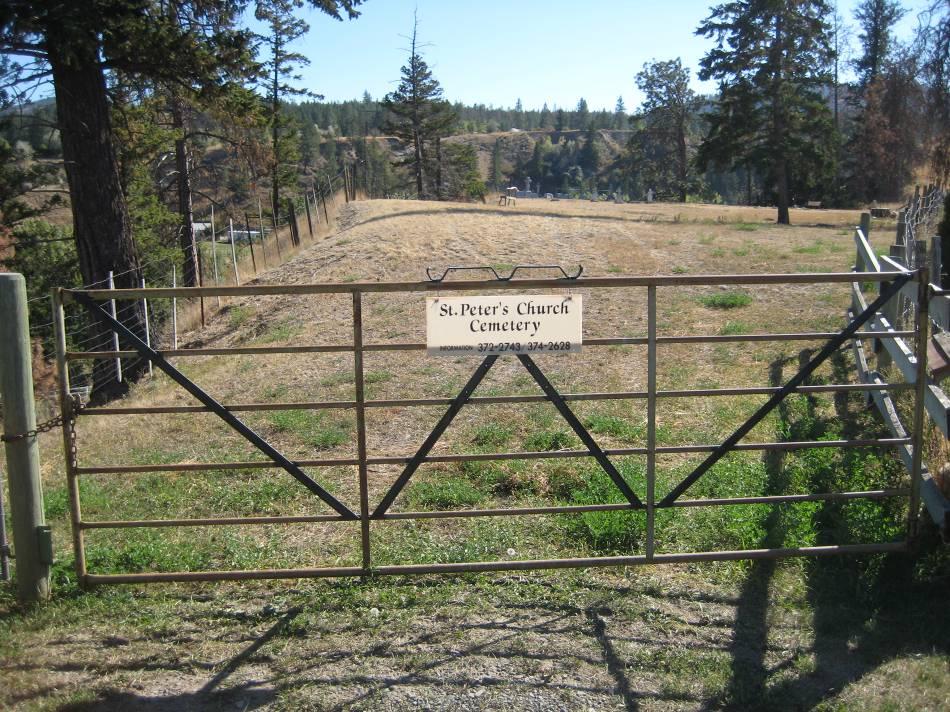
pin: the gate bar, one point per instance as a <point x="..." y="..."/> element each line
<point x="592" y="447"/>
<point x="651" y="422"/>
<point x="146" y="352"/>
<point x="495" y="512"/>
<point x="485" y="400"/>
<point x="360" y="423"/>
<point x="418" y="346"/>
<point x="490" y="457"/>
<point x="829" y="348"/>
<point x="698" y="280"/>
<point x="482" y="566"/>
<point x="921" y="383"/>
<point x="436" y="433"/>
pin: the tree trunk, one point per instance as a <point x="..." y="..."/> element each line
<point x="102" y="228"/>
<point x="681" y="158"/>
<point x="779" y="126"/>
<point x="438" y="168"/>
<point x="417" y="147"/>
<point x="186" y="235"/>
<point x="275" y="131"/>
<point x="781" y="190"/>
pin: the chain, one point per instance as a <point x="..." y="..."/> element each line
<point x="44" y="427"/>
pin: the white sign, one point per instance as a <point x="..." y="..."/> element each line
<point x="524" y="324"/>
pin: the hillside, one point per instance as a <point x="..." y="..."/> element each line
<point x="517" y="147"/>
<point x="782" y="635"/>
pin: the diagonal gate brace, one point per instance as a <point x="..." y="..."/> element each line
<point x="829" y="348"/>
<point x="178" y="377"/>
<point x="462" y="398"/>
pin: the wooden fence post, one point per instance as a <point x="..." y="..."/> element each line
<point x="247" y="222"/>
<point x="306" y="202"/>
<point x="936" y="261"/>
<point x="174" y="309"/>
<point x="237" y="276"/>
<point x="292" y="219"/>
<point x="115" y="334"/>
<point x="214" y="253"/>
<point x="260" y="216"/>
<point x="250" y="242"/>
<point x="30" y="533"/>
<point x="148" y="331"/>
<point x="276" y="230"/>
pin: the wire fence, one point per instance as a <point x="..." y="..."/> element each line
<point x="233" y="247"/>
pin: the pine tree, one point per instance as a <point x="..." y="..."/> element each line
<point x="876" y="18"/>
<point x="620" y="114"/>
<point x="278" y="73"/>
<point x="75" y="45"/>
<point x="419" y="115"/>
<point x="932" y="44"/>
<point x="581" y="115"/>
<point x="771" y="60"/>
<point x="544" y="120"/>
<point x="668" y="108"/>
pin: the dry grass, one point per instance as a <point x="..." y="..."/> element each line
<point x="675" y="638"/>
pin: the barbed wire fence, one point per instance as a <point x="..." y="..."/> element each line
<point x="239" y="246"/>
<point x="915" y="240"/>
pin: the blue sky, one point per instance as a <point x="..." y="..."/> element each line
<point x="494" y="52"/>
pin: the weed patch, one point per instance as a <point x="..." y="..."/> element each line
<point x="726" y="300"/>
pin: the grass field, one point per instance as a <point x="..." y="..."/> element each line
<point x="839" y="633"/>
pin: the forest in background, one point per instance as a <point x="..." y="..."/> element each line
<point x="221" y="121"/>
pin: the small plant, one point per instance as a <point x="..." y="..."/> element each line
<point x="614" y="426"/>
<point x="371" y="377"/>
<point x="281" y="331"/>
<point x="547" y="440"/>
<point x="239" y="315"/>
<point x="445" y="494"/>
<point x="726" y="300"/>
<point x="707" y="239"/>
<point x="311" y="427"/>
<point x="734" y="328"/>
<point x="747" y="226"/>
<point x="492" y="435"/>
<point x="809" y="249"/>
<point x="614" y="269"/>
<point x="678" y="269"/>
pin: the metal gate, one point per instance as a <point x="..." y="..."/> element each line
<point x="648" y="501"/>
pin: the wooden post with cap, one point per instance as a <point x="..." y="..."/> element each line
<point x="30" y="533"/>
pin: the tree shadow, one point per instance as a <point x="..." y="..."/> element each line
<point x="866" y="610"/>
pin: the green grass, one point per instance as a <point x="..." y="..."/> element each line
<point x="544" y="440"/>
<point x="735" y="328"/>
<point x="447" y="493"/>
<point x="726" y="300"/>
<point x="614" y="426"/>
<point x="314" y="428"/>
<point x="239" y="315"/>
<point x="746" y="226"/>
<point x="492" y="435"/>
